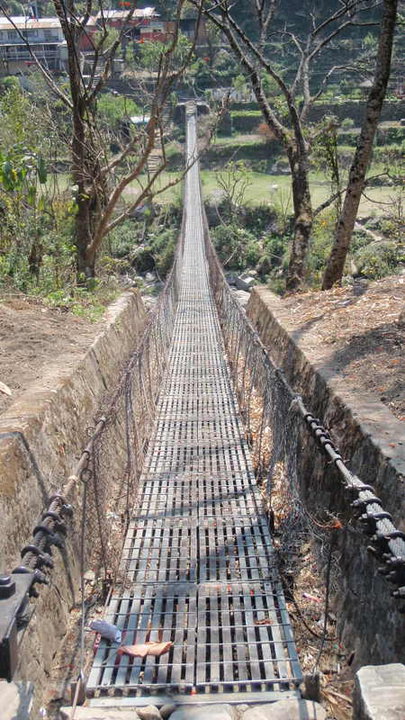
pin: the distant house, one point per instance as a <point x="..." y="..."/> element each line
<point x="118" y="18"/>
<point x="141" y="20"/>
<point x="44" y="36"/>
<point x="46" y="40"/>
<point x="188" y="27"/>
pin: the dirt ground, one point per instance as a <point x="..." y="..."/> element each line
<point x="359" y="331"/>
<point x="33" y="337"/>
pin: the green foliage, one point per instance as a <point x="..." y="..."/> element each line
<point x="240" y="85"/>
<point x="10" y="82"/>
<point x="347" y="123"/>
<point x="386" y="136"/>
<point x="320" y="247"/>
<point x="250" y="241"/>
<point x="150" y="54"/>
<point x="237" y="248"/>
<point x="114" y="109"/>
<point x="276" y="246"/>
<point x="82" y="302"/>
<point x="163" y="246"/>
<point x="379" y="259"/>
<point x="122" y="239"/>
<point x="234" y="180"/>
<point x="20" y="170"/>
<point x="143" y="245"/>
<point x="36" y="250"/>
<point x="104" y="39"/>
<point x="367" y="258"/>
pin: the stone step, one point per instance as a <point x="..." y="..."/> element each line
<point x="89" y="713"/>
<point x="16" y="700"/>
<point x="380" y="692"/>
<point x="289" y="709"/>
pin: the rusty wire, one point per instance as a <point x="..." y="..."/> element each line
<point x="282" y="424"/>
<point x="117" y="451"/>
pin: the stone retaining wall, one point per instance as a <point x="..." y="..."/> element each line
<point x="41" y="438"/>
<point x="373" y="440"/>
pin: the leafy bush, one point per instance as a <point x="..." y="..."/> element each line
<point x="123" y="239"/>
<point x="114" y="109"/>
<point x="237" y="248"/>
<point x="376" y="260"/>
<point x="9" y="82"/>
<point x="164" y="251"/>
<point x="276" y="247"/>
<point x="347" y="123"/>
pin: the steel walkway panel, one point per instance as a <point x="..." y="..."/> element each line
<point x="198" y="563"/>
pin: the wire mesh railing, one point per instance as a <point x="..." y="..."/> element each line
<point x="115" y="462"/>
<point x="279" y="427"/>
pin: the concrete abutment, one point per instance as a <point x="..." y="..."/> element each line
<point x="364" y="430"/>
<point x="42" y="436"/>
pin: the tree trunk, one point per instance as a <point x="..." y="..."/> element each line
<point x="303" y="219"/>
<point x="91" y="193"/>
<point x="363" y="154"/>
<point x="91" y="189"/>
<point x="84" y="223"/>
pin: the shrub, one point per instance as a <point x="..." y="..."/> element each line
<point x="347" y="123"/>
<point x="163" y="246"/>
<point x="379" y="259"/>
<point x="123" y="239"/>
<point x="237" y="248"/>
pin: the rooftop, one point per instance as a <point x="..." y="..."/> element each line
<point x="141" y="13"/>
<point x="25" y="23"/>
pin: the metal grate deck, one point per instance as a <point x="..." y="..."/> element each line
<point x="198" y="558"/>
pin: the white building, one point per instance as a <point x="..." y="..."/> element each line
<point x="44" y="36"/>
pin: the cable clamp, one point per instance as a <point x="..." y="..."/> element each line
<point x="42" y="557"/>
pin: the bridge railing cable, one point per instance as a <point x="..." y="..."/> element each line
<point x="278" y="426"/>
<point x="90" y="510"/>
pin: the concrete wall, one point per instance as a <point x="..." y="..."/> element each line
<point x="41" y="438"/>
<point x="363" y="429"/>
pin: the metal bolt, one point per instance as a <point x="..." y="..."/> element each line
<point x="7" y="587"/>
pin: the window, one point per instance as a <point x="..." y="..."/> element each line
<point x="51" y="34"/>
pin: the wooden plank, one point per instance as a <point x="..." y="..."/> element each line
<point x="98" y="674"/>
<point x="237" y="621"/>
<point x="147" y="593"/>
<point x="214" y="655"/>
<point x="129" y="624"/>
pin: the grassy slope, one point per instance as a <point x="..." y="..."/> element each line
<point x="276" y="190"/>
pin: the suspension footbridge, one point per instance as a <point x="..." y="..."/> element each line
<point x="199" y="424"/>
<point x="198" y="558"/>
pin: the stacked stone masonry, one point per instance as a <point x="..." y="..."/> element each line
<point x="363" y="429"/>
<point x="42" y="436"/>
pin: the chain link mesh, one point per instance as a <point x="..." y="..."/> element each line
<point x="112" y="472"/>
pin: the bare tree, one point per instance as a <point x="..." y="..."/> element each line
<point x="363" y="153"/>
<point x="288" y="119"/>
<point x="99" y="176"/>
